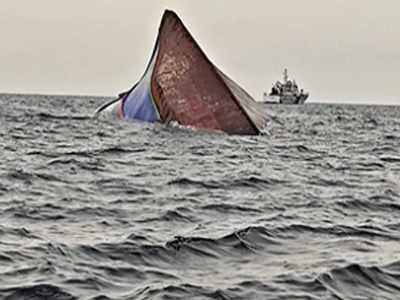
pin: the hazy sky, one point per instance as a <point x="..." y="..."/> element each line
<point x="339" y="50"/>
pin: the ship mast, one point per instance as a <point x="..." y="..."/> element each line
<point x="285" y="76"/>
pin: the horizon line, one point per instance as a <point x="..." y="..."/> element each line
<point x="313" y="101"/>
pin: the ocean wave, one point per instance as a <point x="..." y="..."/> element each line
<point x="170" y="216"/>
<point x="36" y="292"/>
<point x="366" y="231"/>
<point x="51" y="116"/>
<point x="246" y="182"/>
<point x="357" y="280"/>
<point x="230" y="208"/>
<point x="17" y="232"/>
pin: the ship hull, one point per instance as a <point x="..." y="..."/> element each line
<point x="181" y="85"/>
<point x="285" y="99"/>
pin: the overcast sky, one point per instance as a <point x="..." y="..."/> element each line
<point x="338" y="50"/>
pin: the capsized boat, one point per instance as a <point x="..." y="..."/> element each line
<point x="287" y="92"/>
<point x="181" y="85"/>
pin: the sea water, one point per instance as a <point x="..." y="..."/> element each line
<point x="105" y="209"/>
